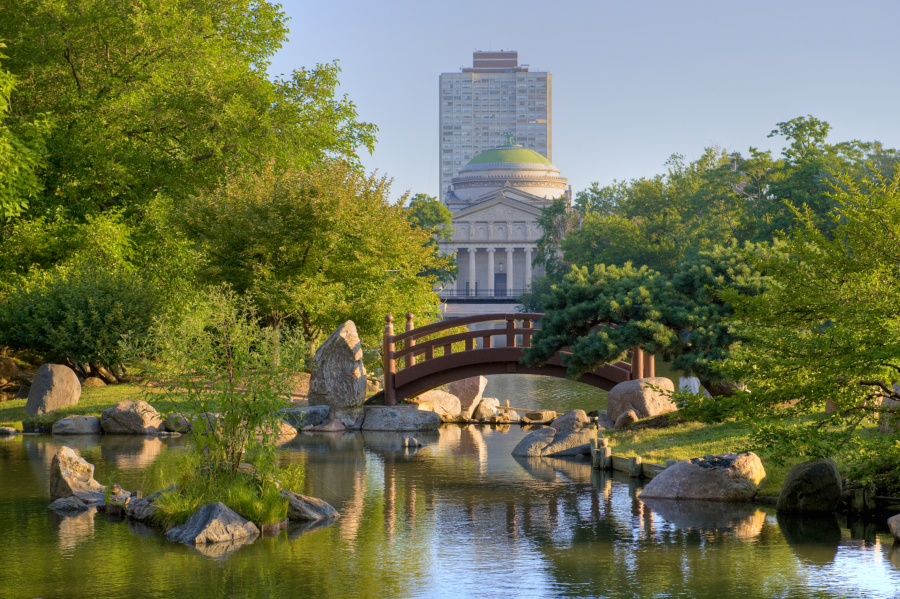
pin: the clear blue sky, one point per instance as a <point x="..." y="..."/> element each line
<point x="633" y="81"/>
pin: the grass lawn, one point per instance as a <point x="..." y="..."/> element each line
<point x="92" y="403"/>
<point x="693" y="439"/>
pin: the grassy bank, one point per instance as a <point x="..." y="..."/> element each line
<point x="693" y="439"/>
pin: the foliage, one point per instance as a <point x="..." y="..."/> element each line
<point x="78" y="312"/>
<point x="827" y="329"/>
<point x="317" y="247"/>
<point x="21" y="152"/>
<point x="430" y="214"/>
<point x="600" y="314"/>
<point x="166" y="97"/>
<point x="229" y="377"/>
<point x="555" y="221"/>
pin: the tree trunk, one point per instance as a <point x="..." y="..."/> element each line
<point x="103" y="373"/>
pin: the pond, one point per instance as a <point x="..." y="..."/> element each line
<point x="458" y="518"/>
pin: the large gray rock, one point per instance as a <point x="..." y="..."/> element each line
<point x="77" y="425"/>
<point x="305" y="416"/>
<point x="213" y="523"/>
<point x="573" y="420"/>
<point x="813" y="486"/>
<point x="23" y="392"/>
<point x="445" y="405"/>
<point x="8" y="370"/>
<point x="638" y="396"/>
<point x="70" y="474"/>
<point x="176" y="423"/>
<point x="400" y="418"/>
<point x="55" y="386"/>
<point x="548" y="442"/>
<point x="722" y="477"/>
<point x="486" y="408"/>
<point x="306" y="508"/>
<point x="894" y="525"/>
<point x="132" y="418"/>
<point x="69" y="505"/>
<point x="469" y="393"/>
<point x="339" y="378"/>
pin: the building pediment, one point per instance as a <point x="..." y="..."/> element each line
<point x="497" y="218"/>
<point x="499" y="206"/>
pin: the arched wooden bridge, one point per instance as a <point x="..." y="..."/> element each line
<point x="427" y="360"/>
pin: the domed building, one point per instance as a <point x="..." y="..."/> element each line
<point x="496" y="200"/>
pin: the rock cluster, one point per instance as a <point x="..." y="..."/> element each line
<point x="571" y="438"/>
<point x="721" y="477"/>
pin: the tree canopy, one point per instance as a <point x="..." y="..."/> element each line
<point x="430" y="214"/>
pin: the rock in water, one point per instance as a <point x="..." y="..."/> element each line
<point x="571" y="421"/>
<point x="638" y="396"/>
<point x="445" y="405"/>
<point x="328" y="426"/>
<point x="539" y="416"/>
<point x="306" y="416"/>
<point x="722" y="477"/>
<point x="398" y="418"/>
<point x="132" y="418"/>
<point x="8" y="431"/>
<point x="69" y="505"/>
<point x="77" y="425"/>
<point x="213" y="523"/>
<point x="339" y="377"/>
<point x="894" y="525"/>
<point x="70" y="474"/>
<point x="548" y="442"/>
<point x="469" y="393"/>
<point x="305" y="508"/>
<point x="813" y="486"/>
<point x="486" y="408"/>
<point x="176" y="423"/>
<point x="55" y="386"/>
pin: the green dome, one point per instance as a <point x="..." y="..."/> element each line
<point x="513" y="153"/>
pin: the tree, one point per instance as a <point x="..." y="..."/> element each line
<point x="827" y="330"/>
<point x="21" y="153"/>
<point x="430" y="214"/>
<point x="317" y="246"/>
<point x="166" y="97"/>
<point x="601" y="313"/>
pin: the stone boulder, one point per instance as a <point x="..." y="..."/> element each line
<point x="445" y="405"/>
<point x="77" y="425"/>
<point x="132" y="418"/>
<point x="308" y="509"/>
<point x="328" y="426"/>
<point x="213" y="523"/>
<point x="813" y="486"/>
<point x="55" y="386"/>
<point x="626" y="418"/>
<point x="722" y="477"/>
<point x="306" y="416"/>
<point x="69" y="505"/>
<point x="8" y="431"/>
<point x="176" y="423"/>
<point x="469" y="393"/>
<point x="638" y="396"/>
<point x="23" y="392"/>
<point x="400" y="418"/>
<point x="894" y="525"/>
<point x="8" y="370"/>
<point x="548" y="442"/>
<point x="339" y="378"/>
<point x="571" y="421"/>
<point x="539" y="417"/>
<point x="70" y="474"/>
<point x="93" y="381"/>
<point x="486" y="408"/>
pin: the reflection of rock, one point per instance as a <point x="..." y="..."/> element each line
<point x="813" y="486"/>
<point x="131" y="452"/>
<point x="469" y="393"/>
<point x="743" y="520"/>
<point x="131" y="418"/>
<point x="339" y="378"/>
<point x="77" y="425"/>
<point x="73" y="530"/>
<point x="223" y="549"/>
<point x="214" y="523"/>
<point x="813" y="539"/>
<point x="638" y="396"/>
<point x="547" y="441"/>
<point x="306" y="508"/>
<point x="298" y="529"/>
<point x="397" y="418"/>
<point x="71" y="474"/>
<point x="722" y="477"/>
<point x="391" y="441"/>
<point x="55" y="386"/>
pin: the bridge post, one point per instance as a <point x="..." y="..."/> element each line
<point x="650" y="366"/>
<point x="410" y="358"/>
<point x="390" y="393"/>
<point x="637" y="363"/>
<point x="510" y="330"/>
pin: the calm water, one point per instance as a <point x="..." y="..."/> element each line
<point x="458" y="518"/>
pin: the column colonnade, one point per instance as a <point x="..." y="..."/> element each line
<point x="467" y="285"/>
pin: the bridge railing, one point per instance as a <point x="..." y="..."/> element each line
<point x="406" y="349"/>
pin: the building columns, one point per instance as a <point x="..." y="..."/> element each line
<point x="472" y="279"/>
<point x="490" y="284"/>
<point x="528" y="251"/>
<point x="509" y="267"/>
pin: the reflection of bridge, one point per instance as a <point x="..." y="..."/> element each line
<point x="427" y="359"/>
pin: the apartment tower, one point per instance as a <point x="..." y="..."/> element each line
<point x="479" y="105"/>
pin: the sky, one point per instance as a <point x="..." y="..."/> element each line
<point x="633" y="81"/>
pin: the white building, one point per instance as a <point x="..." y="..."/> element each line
<point x="496" y="201"/>
<point x="496" y="96"/>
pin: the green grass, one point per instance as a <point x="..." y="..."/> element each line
<point x="693" y="439"/>
<point x="92" y="402"/>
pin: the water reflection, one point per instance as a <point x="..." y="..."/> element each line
<point x="73" y="530"/>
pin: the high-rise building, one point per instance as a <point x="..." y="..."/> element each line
<point x="479" y="105"/>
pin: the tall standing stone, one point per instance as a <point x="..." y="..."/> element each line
<point x="339" y="376"/>
<point x="55" y="386"/>
<point x="469" y="393"/>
